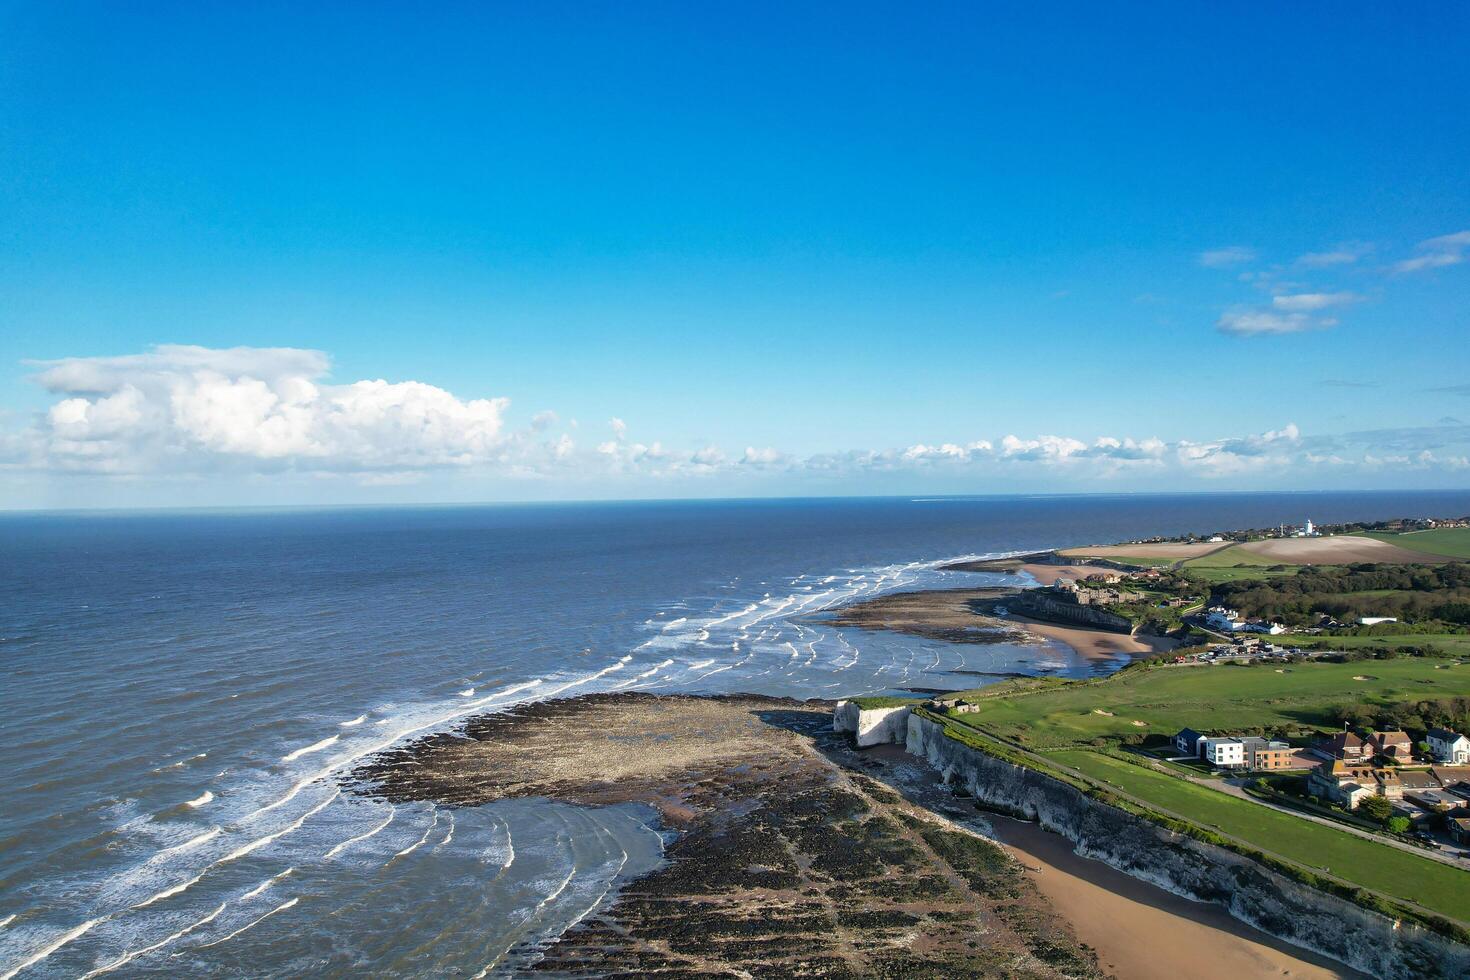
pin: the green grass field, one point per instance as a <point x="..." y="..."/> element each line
<point x="1456" y="644"/>
<point x="1167" y="699"/>
<point x="1386" y="869"/>
<point x="1451" y="541"/>
<point x="1233" y="563"/>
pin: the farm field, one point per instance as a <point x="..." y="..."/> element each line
<point x="1386" y="869"/>
<point x="1342" y="549"/>
<point x="1452" y="542"/>
<point x="1163" y="700"/>
<point x="1165" y="551"/>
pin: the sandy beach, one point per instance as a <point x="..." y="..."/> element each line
<point x="964" y="616"/>
<point x="1142" y="932"/>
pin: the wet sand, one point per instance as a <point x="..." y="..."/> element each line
<point x="1092" y="643"/>
<point x="1139" y="931"/>
<point x="1142" y="932"/>
<point x="963" y="616"/>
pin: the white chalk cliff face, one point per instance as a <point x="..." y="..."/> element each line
<point x="1253" y="893"/>
<point x="872" y="726"/>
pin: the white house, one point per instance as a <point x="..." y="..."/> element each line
<point x="1449" y="747"/>
<point x="1220" y="618"/>
<point x="1222" y="752"/>
<point x="1224" y="619"/>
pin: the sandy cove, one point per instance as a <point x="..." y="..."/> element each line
<point x="963" y="616"/>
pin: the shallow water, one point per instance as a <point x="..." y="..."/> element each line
<point x="181" y="692"/>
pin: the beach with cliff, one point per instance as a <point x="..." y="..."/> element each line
<point x="791" y="853"/>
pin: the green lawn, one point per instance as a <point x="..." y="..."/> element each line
<point x="1451" y="541"/>
<point x="1167" y="699"/>
<point x="1211" y="574"/>
<point x="1457" y="644"/>
<point x="1386" y="869"/>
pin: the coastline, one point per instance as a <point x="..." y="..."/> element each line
<point x="967" y="616"/>
<point x="787" y="856"/>
<point x="791" y="852"/>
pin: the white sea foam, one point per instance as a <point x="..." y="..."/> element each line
<point x="203" y="798"/>
<point x="467" y="692"/>
<point x="420" y="842"/>
<point x="360" y="837"/>
<point x="313" y="747"/>
<point x="354" y="722"/>
<point x="249" y="925"/>
<point x="60" y="941"/>
<point x="131" y="955"/>
<point x="260" y="842"/>
<point x="449" y="836"/>
<point x="169" y="892"/>
<point x="258" y="889"/>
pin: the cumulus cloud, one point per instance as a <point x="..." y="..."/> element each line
<point x="1224" y="258"/>
<point x="180" y="407"/>
<point x="182" y="411"/>
<point x="1435" y="253"/>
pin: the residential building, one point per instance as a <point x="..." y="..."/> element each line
<point x="1394" y="745"/>
<point x="1448" y="746"/>
<point x="1349" y="784"/>
<point x="1459" y="828"/>
<point x="1266" y="756"/>
<point x="1187" y="742"/>
<point x="1220" y="618"/>
<point x="1343" y="745"/>
<point x="1226" y="752"/>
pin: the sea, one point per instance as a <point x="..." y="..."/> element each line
<point x="181" y="693"/>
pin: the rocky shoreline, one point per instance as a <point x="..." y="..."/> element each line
<point x="789" y="858"/>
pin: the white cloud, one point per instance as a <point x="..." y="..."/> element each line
<point x="1437" y="252"/>
<point x="1311" y="302"/>
<point x="179" y="408"/>
<point x="1341" y="255"/>
<point x="179" y="413"/>
<point x="1224" y="258"/>
<point x="1251" y="322"/>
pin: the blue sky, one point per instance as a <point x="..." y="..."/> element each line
<point x="805" y="238"/>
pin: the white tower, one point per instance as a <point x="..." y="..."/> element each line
<point x="1310" y="530"/>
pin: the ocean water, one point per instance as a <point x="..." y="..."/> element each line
<point x="181" y="691"/>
